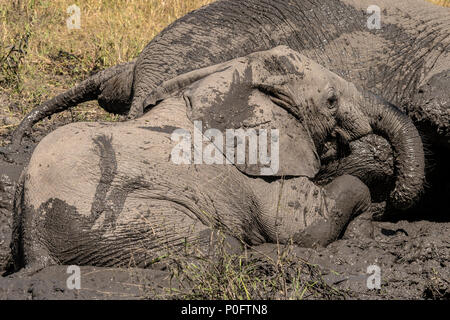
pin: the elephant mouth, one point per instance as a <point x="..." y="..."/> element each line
<point x="369" y="158"/>
<point x="336" y="146"/>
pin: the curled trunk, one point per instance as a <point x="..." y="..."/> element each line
<point x="115" y="83"/>
<point x="370" y="159"/>
<point x="409" y="163"/>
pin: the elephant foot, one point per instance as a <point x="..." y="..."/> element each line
<point x="31" y="268"/>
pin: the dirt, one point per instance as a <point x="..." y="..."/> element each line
<point x="413" y="259"/>
<point x="413" y="256"/>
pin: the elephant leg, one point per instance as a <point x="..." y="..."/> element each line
<point x="21" y="246"/>
<point x="351" y="197"/>
<point x="312" y="215"/>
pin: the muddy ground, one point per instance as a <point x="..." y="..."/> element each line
<point x="413" y="255"/>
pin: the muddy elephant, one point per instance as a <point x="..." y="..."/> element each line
<point x="405" y="60"/>
<point x="105" y="194"/>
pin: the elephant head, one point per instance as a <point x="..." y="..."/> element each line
<point x="285" y="90"/>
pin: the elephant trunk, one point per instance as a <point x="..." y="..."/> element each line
<point x="113" y="85"/>
<point x="387" y="121"/>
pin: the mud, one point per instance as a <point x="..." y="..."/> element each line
<point x="413" y="259"/>
<point x="96" y="284"/>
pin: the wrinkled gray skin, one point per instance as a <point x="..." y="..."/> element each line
<point x="111" y="194"/>
<point x="406" y="62"/>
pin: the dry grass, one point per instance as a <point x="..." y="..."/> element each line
<point x="239" y="277"/>
<point x="444" y="3"/>
<point x="40" y="56"/>
<point x="226" y="274"/>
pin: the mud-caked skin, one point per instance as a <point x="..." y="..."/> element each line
<point x="111" y="194"/>
<point x="406" y="61"/>
<point x="397" y="62"/>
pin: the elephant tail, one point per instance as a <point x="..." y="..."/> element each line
<point x="117" y="80"/>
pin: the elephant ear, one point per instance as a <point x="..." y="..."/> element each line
<point x="229" y="97"/>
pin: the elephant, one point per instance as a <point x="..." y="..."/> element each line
<point x="405" y="59"/>
<point x="105" y="194"/>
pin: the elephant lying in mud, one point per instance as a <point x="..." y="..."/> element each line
<point x="107" y="193"/>
<point x="406" y="62"/>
